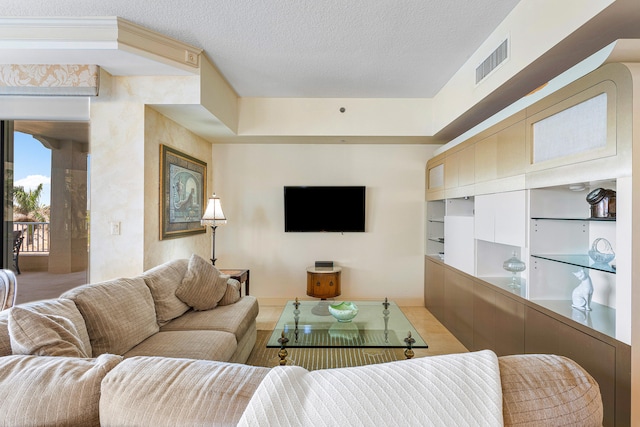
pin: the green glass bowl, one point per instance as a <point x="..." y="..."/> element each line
<point x="344" y="311"/>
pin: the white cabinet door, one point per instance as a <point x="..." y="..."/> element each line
<point x="484" y="217"/>
<point x="501" y="218"/>
<point x="459" y="246"/>
<point x="511" y="218"/>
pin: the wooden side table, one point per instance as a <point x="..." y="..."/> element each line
<point x="241" y="275"/>
<point x="323" y="283"/>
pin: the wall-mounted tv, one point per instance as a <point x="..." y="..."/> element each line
<point x="330" y="209"/>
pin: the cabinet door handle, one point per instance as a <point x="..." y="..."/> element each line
<point x="317" y="283"/>
<point x="331" y="283"/>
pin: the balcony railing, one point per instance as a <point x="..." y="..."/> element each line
<point x="36" y="236"/>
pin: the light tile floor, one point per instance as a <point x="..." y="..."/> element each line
<point x="38" y="285"/>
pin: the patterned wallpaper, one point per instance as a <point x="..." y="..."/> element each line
<point x="43" y="79"/>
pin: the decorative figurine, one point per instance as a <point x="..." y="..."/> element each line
<point x="581" y="295"/>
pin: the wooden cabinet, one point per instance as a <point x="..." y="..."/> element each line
<point x="459" y="171"/>
<point x="511" y="151"/>
<point x="484" y="316"/>
<point x="323" y="283"/>
<point x="509" y="326"/>
<point x="498" y="321"/>
<point x="434" y="286"/>
<point x="603" y="360"/>
<point x="435" y="179"/>
<point x="458" y="306"/>
<point x="486" y="158"/>
<point x="502" y="154"/>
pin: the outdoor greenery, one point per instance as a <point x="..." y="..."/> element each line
<point x="27" y="207"/>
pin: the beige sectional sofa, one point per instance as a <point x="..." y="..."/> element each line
<point x="132" y="352"/>
<point x="139" y="316"/>
<point x="536" y="390"/>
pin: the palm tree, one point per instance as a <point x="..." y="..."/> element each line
<point x="27" y="208"/>
<point x="27" y="204"/>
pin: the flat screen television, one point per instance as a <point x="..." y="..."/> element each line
<point x="329" y="209"/>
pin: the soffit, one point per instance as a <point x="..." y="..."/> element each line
<point x="308" y="48"/>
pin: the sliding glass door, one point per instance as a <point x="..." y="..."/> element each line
<point x="6" y="163"/>
<point x="46" y="206"/>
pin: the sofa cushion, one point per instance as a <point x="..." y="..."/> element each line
<point x="43" y="334"/>
<point x="60" y="391"/>
<point x="235" y="318"/>
<point x="119" y="313"/>
<point x="168" y="392"/>
<point x="58" y="307"/>
<point x="163" y="281"/>
<point x="5" y="340"/>
<point x="232" y="294"/>
<point x="203" y="285"/>
<point x="205" y="345"/>
<point x="545" y="389"/>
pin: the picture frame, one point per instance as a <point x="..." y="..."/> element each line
<point x="183" y="189"/>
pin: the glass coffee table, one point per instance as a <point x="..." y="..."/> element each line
<point x="378" y="324"/>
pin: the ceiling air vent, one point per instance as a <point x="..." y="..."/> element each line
<point x="496" y="58"/>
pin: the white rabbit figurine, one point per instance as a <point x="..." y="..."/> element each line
<point x="581" y="295"/>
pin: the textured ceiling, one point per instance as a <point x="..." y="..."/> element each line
<point x="311" y="48"/>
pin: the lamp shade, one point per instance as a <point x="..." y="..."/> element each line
<point x="213" y="215"/>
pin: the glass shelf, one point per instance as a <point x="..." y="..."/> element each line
<point x="577" y="219"/>
<point x="578" y="260"/>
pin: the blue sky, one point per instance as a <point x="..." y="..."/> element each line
<point x="32" y="165"/>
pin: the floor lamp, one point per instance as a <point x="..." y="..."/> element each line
<point x="213" y="216"/>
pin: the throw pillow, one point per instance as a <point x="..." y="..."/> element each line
<point x="163" y="281"/>
<point x="119" y="314"/>
<point x="43" y="334"/>
<point x="232" y="294"/>
<point x="203" y="285"/>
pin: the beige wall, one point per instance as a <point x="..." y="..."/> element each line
<point x="160" y="130"/>
<point x="385" y="261"/>
<point x="124" y="176"/>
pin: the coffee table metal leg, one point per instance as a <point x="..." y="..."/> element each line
<point x="408" y="352"/>
<point x="283" y="351"/>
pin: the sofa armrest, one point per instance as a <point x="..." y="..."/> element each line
<point x="545" y="389"/>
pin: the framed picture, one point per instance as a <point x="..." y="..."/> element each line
<point x="183" y="187"/>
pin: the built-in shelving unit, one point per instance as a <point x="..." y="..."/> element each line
<point x="435" y="228"/>
<point x="528" y="178"/>
<point x="578" y="261"/>
<point x="562" y="232"/>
